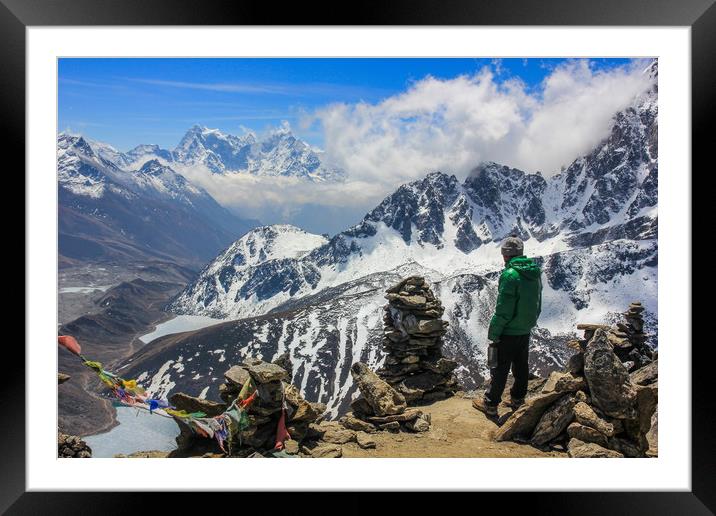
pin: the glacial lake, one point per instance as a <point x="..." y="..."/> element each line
<point x="138" y="430"/>
<point x="180" y="324"/>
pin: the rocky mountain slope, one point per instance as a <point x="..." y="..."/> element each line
<point x="108" y="213"/>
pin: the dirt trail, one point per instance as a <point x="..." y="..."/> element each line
<point x="457" y="430"/>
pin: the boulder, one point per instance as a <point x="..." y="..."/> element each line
<point x="302" y="410"/>
<point x="581" y="396"/>
<point x="361" y="408"/>
<point x="551" y="383"/>
<point x="419" y="424"/>
<point x="646" y="375"/>
<point x="414" y="301"/>
<point x="290" y="446"/>
<point x="72" y="447"/>
<point x="353" y="423"/>
<point x="626" y="447"/>
<point x="297" y="431"/>
<point x="319" y="408"/>
<point x="580" y="449"/>
<point x="408" y="415"/>
<point x="410" y="394"/>
<point x="365" y="441"/>
<point x="425" y="381"/>
<point x="585" y="415"/>
<point x="392" y="426"/>
<point x="524" y="419"/>
<point x="586" y="434"/>
<point x="237" y="376"/>
<point x="575" y="364"/>
<point x="647" y="399"/>
<point x="284" y="362"/>
<point x="443" y="366"/>
<point x="427" y="326"/>
<point x="383" y="399"/>
<point x="592" y="327"/>
<point x="608" y="379"/>
<point x="264" y="372"/>
<point x="338" y="435"/>
<point x="191" y="404"/>
<point x="554" y="420"/>
<point x="570" y="383"/>
<point x="325" y="451"/>
<point x="259" y="437"/>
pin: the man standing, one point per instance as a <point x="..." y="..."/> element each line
<point x="519" y="302"/>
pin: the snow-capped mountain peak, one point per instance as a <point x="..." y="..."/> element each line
<point x="265" y="243"/>
<point x="280" y="153"/>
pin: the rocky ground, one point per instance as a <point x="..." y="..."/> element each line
<point x="456" y="430"/>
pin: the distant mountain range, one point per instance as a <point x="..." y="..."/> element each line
<point x="122" y="206"/>
<point x="108" y="213"/>
<point x="592" y="227"/>
<point x="279" y="153"/>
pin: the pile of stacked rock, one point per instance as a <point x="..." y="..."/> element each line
<point x="71" y="446"/>
<point x="632" y="330"/>
<point x="626" y="337"/>
<point x="595" y="407"/>
<point x="412" y="339"/>
<point x="383" y="406"/>
<point x="273" y="394"/>
<point x="379" y="408"/>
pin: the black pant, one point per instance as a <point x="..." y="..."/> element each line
<point x="512" y="351"/>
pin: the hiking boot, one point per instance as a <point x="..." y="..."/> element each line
<point x="516" y="403"/>
<point x="485" y="407"/>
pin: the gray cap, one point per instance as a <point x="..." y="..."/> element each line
<point x="512" y="246"/>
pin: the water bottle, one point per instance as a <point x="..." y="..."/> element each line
<point x="492" y="355"/>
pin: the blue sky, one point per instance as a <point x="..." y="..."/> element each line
<point x="126" y="102"/>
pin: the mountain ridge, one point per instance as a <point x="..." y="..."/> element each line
<point x="107" y="213"/>
<point x="278" y="153"/>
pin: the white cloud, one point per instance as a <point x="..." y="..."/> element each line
<point x="318" y="207"/>
<point x="453" y="124"/>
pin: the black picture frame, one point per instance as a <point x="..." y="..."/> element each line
<point x="699" y="15"/>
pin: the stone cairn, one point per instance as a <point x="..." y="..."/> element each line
<point x="259" y="439"/>
<point x="600" y="405"/>
<point x="414" y="373"/>
<point x="627" y="338"/>
<point x="311" y="435"/>
<point x="413" y="331"/>
<point x="71" y="446"/>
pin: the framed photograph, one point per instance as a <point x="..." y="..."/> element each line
<point x="421" y="244"/>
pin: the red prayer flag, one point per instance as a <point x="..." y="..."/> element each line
<point x="69" y="343"/>
<point x="281" y="431"/>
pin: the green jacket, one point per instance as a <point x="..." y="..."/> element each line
<point x="519" y="299"/>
